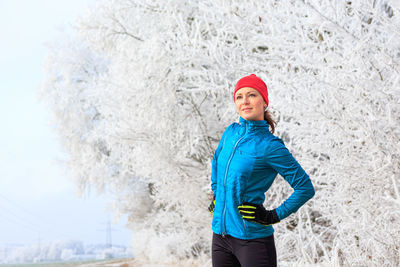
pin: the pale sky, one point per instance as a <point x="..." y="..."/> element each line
<point x="37" y="199"/>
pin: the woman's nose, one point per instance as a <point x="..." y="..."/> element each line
<point x="245" y="100"/>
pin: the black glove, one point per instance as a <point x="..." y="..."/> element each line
<point x="212" y="206"/>
<point x="257" y="213"/>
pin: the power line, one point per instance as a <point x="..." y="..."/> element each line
<point x="17" y="205"/>
<point x="27" y="223"/>
<point x="18" y="218"/>
<point x="17" y="214"/>
<point x="24" y="210"/>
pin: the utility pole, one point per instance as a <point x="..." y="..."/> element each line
<point x="108" y="231"/>
<point x="5" y="253"/>
<point x="39" y="247"/>
<point x="108" y="235"/>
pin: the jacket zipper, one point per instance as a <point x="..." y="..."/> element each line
<point x="226" y="173"/>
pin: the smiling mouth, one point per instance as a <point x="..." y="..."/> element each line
<point x="246" y="109"/>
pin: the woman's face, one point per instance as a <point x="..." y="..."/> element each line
<point x="250" y="104"/>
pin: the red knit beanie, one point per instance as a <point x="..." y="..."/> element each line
<point x="255" y="82"/>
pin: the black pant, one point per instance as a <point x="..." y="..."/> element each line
<point x="231" y="252"/>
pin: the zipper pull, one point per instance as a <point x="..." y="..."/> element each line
<point x="223" y="234"/>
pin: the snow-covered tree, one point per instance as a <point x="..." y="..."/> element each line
<point x="142" y="92"/>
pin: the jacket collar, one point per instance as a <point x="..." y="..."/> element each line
<point x="254" y="124"/>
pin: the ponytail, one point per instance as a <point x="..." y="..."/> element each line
<point x="270" y="120"/>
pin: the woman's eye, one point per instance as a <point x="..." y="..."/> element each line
<point x="252" y="95"/>
<point x="238" y="97"/>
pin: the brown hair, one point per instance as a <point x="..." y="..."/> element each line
<point x="270" y="120"/>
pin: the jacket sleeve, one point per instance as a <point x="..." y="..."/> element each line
<point x="214" y="162"/>
<point x="281" y="160"/>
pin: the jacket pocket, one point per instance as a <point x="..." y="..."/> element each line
<point x="254" y="227"/>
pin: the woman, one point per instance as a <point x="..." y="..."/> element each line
<point x="245" y="163"/>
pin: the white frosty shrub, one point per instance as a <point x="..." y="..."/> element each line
<point x="143" y="91"/>
<point x="66" y="254"/>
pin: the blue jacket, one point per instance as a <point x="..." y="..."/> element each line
<point x="245" y="163"/>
